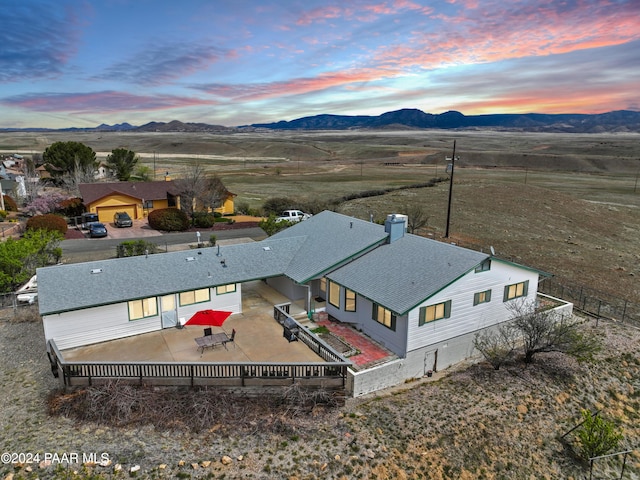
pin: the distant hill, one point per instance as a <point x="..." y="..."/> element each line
<point x="618" y="121"/>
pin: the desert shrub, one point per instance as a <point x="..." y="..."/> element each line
<point x="212" y="240"/>
<point x="10" y="204"/>
<point x="131" y="248"/>
<point x="49" y="221"/>
<point x="276" y="205"/>
<point x="243" y="208"/>
<point x="203" y="219"/>
<point x="168" y="220"/>
<point x="270" y="226"/>
<point x="597" y="436"/>
<point x="3" y="215"/>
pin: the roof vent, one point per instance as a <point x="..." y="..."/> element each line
<point x="96" y="270"/>
<point x="266" y="249"/>
<point x="190" y="259"/>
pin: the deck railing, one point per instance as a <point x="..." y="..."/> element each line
<point x="331" y="374"/>
<point x="321" y="348"/>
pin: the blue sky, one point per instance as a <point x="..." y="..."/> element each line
<point x="232" y="62"/>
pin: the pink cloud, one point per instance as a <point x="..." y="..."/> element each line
<point x="594" y="99"/>
<point x="100" y="102"/>
<point x="297" y="86"/>
<point x="506" y="32"/>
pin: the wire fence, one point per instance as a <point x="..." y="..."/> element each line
<point x="585" y="299"/>
<point x="593" y="302"/>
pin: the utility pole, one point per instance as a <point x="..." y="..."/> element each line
<point x="453" y="161"/>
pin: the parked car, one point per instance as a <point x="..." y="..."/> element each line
<point x="87" y="219"/>
<point x="293" y="216"/>
<point x="28" y="293"/>
<point x="97" y="230"/>
<point x="122" y="219"/>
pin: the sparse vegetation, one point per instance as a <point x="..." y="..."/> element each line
<point x="597" y="436"/>
<point x="578" y="222"/>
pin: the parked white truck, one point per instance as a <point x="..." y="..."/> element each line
<point x="293" y="216"/>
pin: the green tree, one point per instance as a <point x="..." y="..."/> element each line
<point x="64" y="158"/>
<point x="19" y="258"/>
<point x="597" y="436"/>
<point x="270" y="226"/>
<point x="143" y="173"/>
<point x="122" y="162"/>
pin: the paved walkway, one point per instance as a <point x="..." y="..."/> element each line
<point x="370" y="353"/>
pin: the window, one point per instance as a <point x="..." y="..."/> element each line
<point x="334" y="294"/>
<point x="484" y="266"/>
<point x="349" y="300"/>
<point x="435" y="312"/>
<point x="516" y="290"/>
<point x="195" y="296"/>
<point x="222" y="289"/>
<point x="482" y="297"/>
<point x="148" y="204"/>
<point x="323" y="287"/>
<point x="384" y="316"/>
<point x="145" y="307"/>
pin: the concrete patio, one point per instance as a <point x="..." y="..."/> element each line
<point x="258" y="338"/>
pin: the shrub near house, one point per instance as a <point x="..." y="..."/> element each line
<point x="49" y="222"/>
<point x="169" y="220"/>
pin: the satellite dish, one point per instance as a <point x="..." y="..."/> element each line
<point x="493" y="252"/>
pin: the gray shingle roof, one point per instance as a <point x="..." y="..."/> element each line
<point x="74" y="286"/>
<point x="399" y="275"/>
<point x="406" y="272"/>
<point x="331" y="238"/>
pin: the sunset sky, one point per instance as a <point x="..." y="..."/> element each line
<point x="81" y="63"/>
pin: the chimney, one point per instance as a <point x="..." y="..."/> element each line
<point x="167" y="177"/>
<point x="395" y="225"/>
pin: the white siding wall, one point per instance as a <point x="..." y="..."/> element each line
<point x="99" y="324"/>
<point x="465" y="317"/>
<point x="93" y="325"/>
<point x="394" y="340"/>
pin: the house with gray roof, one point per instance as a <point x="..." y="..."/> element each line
<point x="422" y="299"/>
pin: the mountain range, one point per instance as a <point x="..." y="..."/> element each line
<point x="617" y="121"/>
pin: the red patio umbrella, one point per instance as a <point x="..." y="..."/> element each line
<point x="214" y="318"/>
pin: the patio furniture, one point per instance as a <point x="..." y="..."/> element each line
<point x="208" y="332"/>
<point x="230" y="339"/>
<point x="210" y="341"/>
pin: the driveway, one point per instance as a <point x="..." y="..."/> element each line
<point x="140" y="229"/>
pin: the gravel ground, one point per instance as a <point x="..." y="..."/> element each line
<point x="468" y="423"/>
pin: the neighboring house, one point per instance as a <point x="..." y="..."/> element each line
<point x="424" y="300"/>
<point x="138" y="199"/>
<point x="228" y="206"/>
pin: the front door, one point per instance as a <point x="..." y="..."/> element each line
<point x="169" y="313"/>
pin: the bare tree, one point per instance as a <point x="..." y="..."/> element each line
<point x="31" y="180"/>
<point x="191" y="187"/>
<point x="82" y="173"/>
<point x="214" y="194"/>
<point x="417" y="217"/>
<point x="496" y="346"/>
<point x="548" y="331"/>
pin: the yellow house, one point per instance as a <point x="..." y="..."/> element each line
<point x="228" y="207"/>
<point x="135" y="198"/>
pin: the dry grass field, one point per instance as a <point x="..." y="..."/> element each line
<point x="568" y="205"/>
